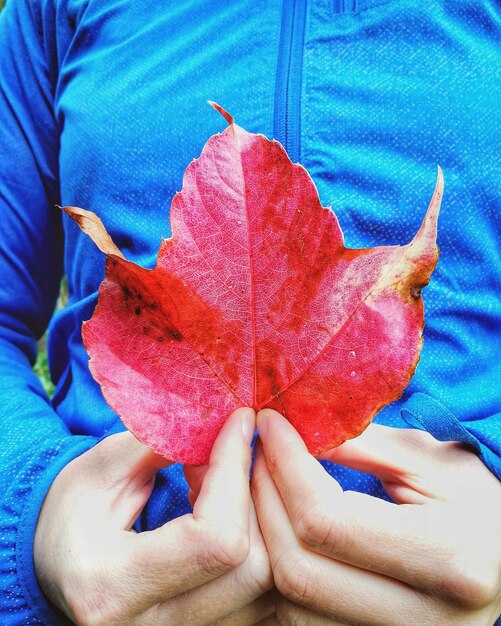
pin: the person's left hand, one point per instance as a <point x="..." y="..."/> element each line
<point x="431" y="557"/>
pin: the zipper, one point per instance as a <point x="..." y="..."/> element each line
<point x="287" y="114"/>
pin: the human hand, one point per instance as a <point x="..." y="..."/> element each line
<point x="433" y="557"/>
<point x="196" y="569"/>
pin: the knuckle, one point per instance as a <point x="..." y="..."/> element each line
<point x="317" y="529"/>
<point x="472" y="586"/>
<point x="257" y="481"/>
<point x="223" y="548"/>
<point x="278" y="459"/>
<point x="260" y="569"/>
<point x="96" y="608"/>
<point x="289" y="614"/>
<point x="474" y="589"/>
<point x="272" y="461"/>
<point x="296" y="578"/>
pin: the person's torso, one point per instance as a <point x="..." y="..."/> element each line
<point x="368" y="96"/>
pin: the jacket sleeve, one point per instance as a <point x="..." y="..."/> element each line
<point x="34" y="443"/>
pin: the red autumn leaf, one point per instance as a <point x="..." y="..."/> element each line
<point x="256" y="302"/>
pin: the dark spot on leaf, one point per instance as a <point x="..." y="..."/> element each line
<point x="276" y="393"/>
<point x="173" y="333"/>
<point x="137" y="310"/>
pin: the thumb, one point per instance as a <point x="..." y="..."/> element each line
<point x="230" y="442"/>
<point x="224" y="491"/>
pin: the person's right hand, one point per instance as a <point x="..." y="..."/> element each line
<point x="205" y="567"/>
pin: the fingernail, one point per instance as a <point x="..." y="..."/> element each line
<point x="262" y="425"/>
<point x="248" y="425"/>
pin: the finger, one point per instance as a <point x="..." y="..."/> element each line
<point x="201" y="615"/>
<point x="192" y="497"/>
<point x="241" y="593"/>
<point x="228" y="473"/>
<point x="254" y="613"/>
<point x="355" y="528"/>
<point x="195" y="475"/>
<point x="249" y="615"/>
<point x="122" y="456"/>
<point x="124" y="470"/>
<point x="290" y="613"/>
<point x="413" y="464"/>
<point x="272" y="620"/>
<point x="388" y="453"/>
<point x="194" y="549"/>
<point x="326" y="586"/>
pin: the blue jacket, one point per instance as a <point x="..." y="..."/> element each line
<point x="102" y="104"/>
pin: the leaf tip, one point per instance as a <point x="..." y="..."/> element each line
<point x="436" y="199"/>
<point x="92" y="226"/>
<point x="224" y="113"/>
<point x="440" y="180"/>
<point x="428" y="228"/>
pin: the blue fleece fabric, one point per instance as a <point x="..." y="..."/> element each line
<point x="102" y="104"/>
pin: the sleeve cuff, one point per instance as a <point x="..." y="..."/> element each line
<point x="31" y="490"/>
<point x="426" y="413"/>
